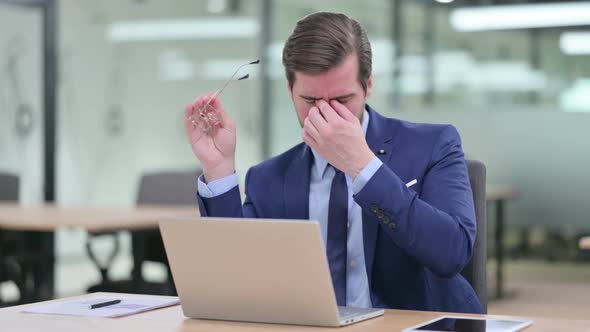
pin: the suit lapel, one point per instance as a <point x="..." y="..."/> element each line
<point x="296" y="189"/>
<point x="380" y="141"/>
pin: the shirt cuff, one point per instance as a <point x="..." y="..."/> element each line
<point x="217" y="187"/>
<point x="365" y="175"/>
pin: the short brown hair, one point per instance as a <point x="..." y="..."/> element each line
<point x="321" y="41"/>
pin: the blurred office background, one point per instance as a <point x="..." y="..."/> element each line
<point x="515" y="82"/>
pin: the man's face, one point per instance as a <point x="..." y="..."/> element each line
<point x="340" y="83"/>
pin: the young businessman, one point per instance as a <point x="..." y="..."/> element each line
<point x="393" y="198"/>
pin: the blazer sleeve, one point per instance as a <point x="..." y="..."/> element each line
<point x="228" y="204"/>
<point x="438" y="227"/>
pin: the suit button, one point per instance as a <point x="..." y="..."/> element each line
<point x="374" y="208"/>
<point x="392" y="226"/>
<point x="380" y="214"/>
<point x="353" y="264"/>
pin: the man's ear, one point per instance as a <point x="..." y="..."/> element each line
<point x="369" y="86"/>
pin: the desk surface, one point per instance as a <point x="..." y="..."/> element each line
<point x="172" y="319"/>
<point x="49" y="217"/>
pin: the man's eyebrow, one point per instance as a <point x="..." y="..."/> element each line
<point x="309" y="97"/>
<point x="316" y="98"/>
<point x="344" y="96"/>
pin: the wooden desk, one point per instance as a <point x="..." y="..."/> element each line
<point x="49" y="217"/>
<point x="43" y="220"/>
<point x="172" y="319"/>
<point x="499" y="194"/>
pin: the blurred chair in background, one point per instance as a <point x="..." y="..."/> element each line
<point x="163" y="188"/>
<point x="11" y="243"/>
<point x="475" y="270"/>
<point x="9" y="187"/>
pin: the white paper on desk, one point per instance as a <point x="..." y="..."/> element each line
<point x="129" y="305"/>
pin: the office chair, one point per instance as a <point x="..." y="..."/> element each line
<point x="11" y="243"/>
<point x="163" y="188"/>
<point x="475" y="270"/>
<point x="9" y="187"/>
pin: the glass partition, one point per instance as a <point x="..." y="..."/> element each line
<point x="21" y="105"/>
<point x="128" y="70"/>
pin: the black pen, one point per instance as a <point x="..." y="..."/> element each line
<point x="103" y="304"/>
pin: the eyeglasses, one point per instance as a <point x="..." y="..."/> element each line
<point x="207" y="118"/>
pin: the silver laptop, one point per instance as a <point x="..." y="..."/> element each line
<point x="256" y="270"/>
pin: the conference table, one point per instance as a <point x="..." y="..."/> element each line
<point x="172" y="319"/>
<point x="41" y="221"/>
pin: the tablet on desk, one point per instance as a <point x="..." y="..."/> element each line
<point x="470" y="324"/>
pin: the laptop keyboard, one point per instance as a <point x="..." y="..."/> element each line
<point x="348" y="312"/>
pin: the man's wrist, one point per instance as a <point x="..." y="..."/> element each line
<point x="360" y="163"/>
<point x="219" y="172"/>
<point x="217" y="187"/>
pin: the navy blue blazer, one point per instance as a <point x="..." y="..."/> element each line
<point x="416" y="240"/>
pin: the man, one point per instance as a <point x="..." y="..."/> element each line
<point x="393" y="198"/>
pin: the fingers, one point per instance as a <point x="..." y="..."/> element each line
<point x="344" y="112"/>
<point x="213" y="100"/>
<point x="188" y="111"/>
<point x="309" y="140"/>
<point x="193" y="132"/>
<point x="191" y="118"/>
<point x="224" y="117"/>
<point x="317" y="119"/>
<point x="327" y="112"/>
<point x="193" y="108"/>
<point x="206" y="113"/>
<point x="309" y="128"/>
<point x="188" y="121"/>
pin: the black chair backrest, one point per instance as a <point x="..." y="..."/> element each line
<point x="9" y="191"/>
<point x="475" y="271"/>
<point x="168" y="188"/>
<point x="162" y="188"/>
<point x="9" y="187"/>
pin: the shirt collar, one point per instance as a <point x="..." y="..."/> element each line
<point x="320" y="163"/>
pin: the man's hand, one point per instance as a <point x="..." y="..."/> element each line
<point x="336" y="134"/>
<point x="213" y="143"/>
